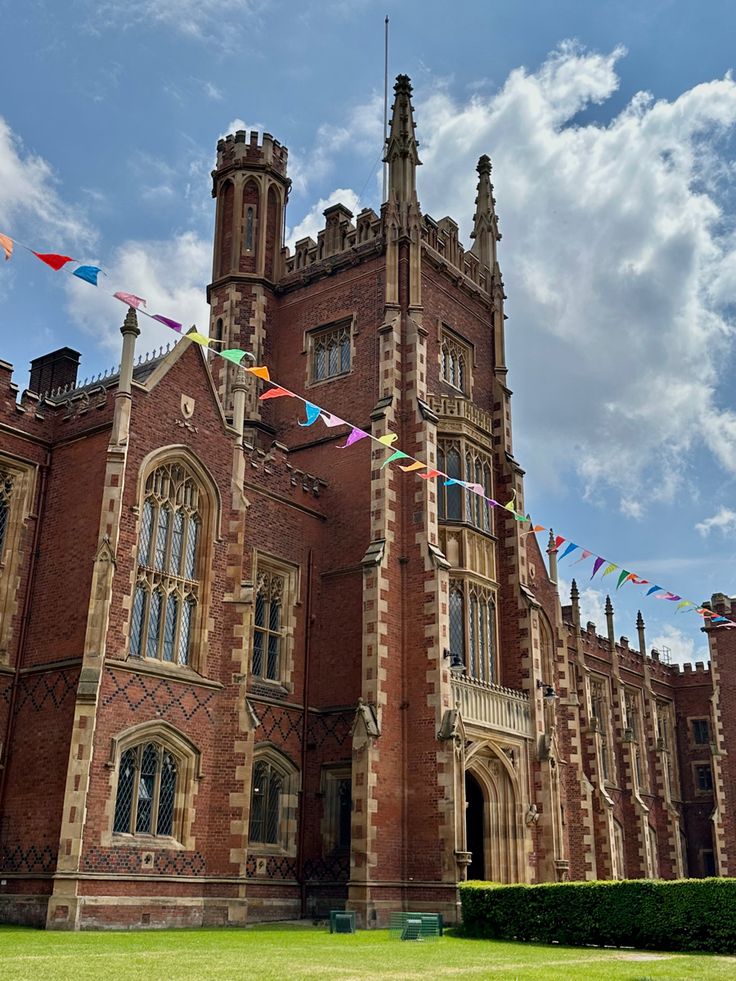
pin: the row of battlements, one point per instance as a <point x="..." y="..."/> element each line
<point x="235" y="149"/>
<point x="443" y="238"/>
<point x="338" y="236"/>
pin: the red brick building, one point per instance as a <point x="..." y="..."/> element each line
<point x="247" y="675"/>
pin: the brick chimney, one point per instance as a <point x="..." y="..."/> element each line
<point x="55" y="370"/>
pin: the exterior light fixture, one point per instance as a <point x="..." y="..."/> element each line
<point x="457" y="665"/>
<point x="549" y="694"/>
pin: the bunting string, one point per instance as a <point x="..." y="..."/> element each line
<point x="313" y="413"/>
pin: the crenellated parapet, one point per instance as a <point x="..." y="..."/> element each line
<point x="234" y="151"/>
<point x="340" y="243"/>
<point x="442" y="247"/>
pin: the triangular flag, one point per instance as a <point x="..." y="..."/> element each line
<point x="586" y="555"/>
<point x="313" y="412"/>
<point x="719" y="620"/>
<point x="609" y="568"/>
<point x="596" y="565"/>
<point x="510" y="507"/>
<point x="431" y="474"/>
<point x="233" y="354"/>
<point x="452" y="480"/>
<point x="570" y="548"/>
<point x="684" y="603"/>
<point x="417" y="465"/>
<point x="388" y="439"/>
<point x="329" y="420"/>
<point x="172" y="324"/>
<point x="198" y="338"/>
<point x="52" y="259"/>
<point x="396" y="455"/>
<point x="654" y="589"/>
<point x="260" y="371"/>
<point x="669" y="596"/>
<point x="7" y="244"/>
<point x="273" y="393"/>
<point x="622" y="578"/>
<point x="637" y="581"/>
<point x="130" y="299"/>
<point x="537" y="528"/>
<point x="355" y="435"/>
<point x="476" y="489"/>
<point x="558" y="541"/>
<point x="88" y="273"/>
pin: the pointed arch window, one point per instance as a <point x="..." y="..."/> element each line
<point x="6" y="493"/>
<point x="249" y="225"/>
<point x="450" y="498"/>
<point x="268" y="630"/>
<point x="146" y="791"/>
<point x="167" y="583"/>
<point x="462" y="461"/>
<point x="330" y="351"/>
<point x="273" y="802"/>
<point x="472" y="624"/>
<point x="455" y="360"/>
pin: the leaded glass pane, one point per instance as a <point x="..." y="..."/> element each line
<point x="441" y="508"/>
<point x="137" y="621"/>
<point x="333" y="367"/>
<point x="172" y="605"/>
<point x="273" y="809"/>
<point x="126" y="787"/>
<point x="345" y="353"/>
<point x="154" y="624"/>
<point x="474" y="646"/>
<point x="486" y="504"/>
<point x="320" y="363"/>
<point x="457" y="629"/>
<point x="469" y="496"/>
<point x="258" y="801"/>
<point x="274" y="616"/>
<point x="273" y="657"/>
<point x="146" y="787"/>
<point x="185" y="629"/>
<point x="144" y="545"/>
<point x="193" y="534"/>
<point x="483" y="638"/>
<point x="454" y="495"/>
<point x="177" y="537"/>
<point x="161" y="535"/>
<point x="258" y="653"/>
<point x="166" y="795"/>
<point x="260" y="609"/>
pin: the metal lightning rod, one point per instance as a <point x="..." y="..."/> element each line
<point x="385" y="103"/>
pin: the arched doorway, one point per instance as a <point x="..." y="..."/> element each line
<point x="475" y="826"/>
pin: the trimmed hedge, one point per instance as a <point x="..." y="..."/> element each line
<point x="684" y="914"/>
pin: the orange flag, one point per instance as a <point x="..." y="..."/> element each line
<point x="261" y="371"/>
<point x="7" y="244"/>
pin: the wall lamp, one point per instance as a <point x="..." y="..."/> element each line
<point x="457" y="665"/>
<point x="549" y="694"/>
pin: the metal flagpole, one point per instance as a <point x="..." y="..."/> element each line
<point x="385" y="103"/>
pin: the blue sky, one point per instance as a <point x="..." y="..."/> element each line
<point x="611" y="128"/>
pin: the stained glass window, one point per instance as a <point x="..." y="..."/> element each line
<point x="146" y="793"/>
<point x="167" y="584"/>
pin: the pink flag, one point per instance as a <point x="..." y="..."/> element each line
<point x="52" y="259"/>
<point x="355" y="435"/>
<point x="130" y="300"/>
<point x="329" y="420"/>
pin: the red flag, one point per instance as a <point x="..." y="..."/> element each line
<point x="53" y="260"/>
<point x="273" y="393"/>
<point x="558" y="541"/>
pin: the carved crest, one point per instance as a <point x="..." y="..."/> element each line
<point x="187" y="406"/>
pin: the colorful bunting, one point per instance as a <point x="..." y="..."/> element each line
<point x="609" y="568"/>
<point x="417" y="465"/>
<point x="624" y="577"/>
<point x="388" y="440"/>
<point x="596" y="565"/>
<point x="171" y="324"/>
<point x="130" y="300"/>
<point x="7" y="244"/>
<point x="431" y="474"/>
<point x="654" y="589"/>
<point x="88" y="273"/>
<point x="198" y="338"/>
<point x="260" y="371"/>
<point x="273" y="393"/>
<point x="683" y="604"/>
<point x="558" y="541"/>
<point x="669" y="596"/>
<point x="52" y="259"/>
<point x="313" y="412"/>
<point x="233" y="354"/>
<point x="570" y="548"/>
<point x="586" y="555"/>
<point x="355" y="435"/>
<point x="396" y="455"/>
<point x="329" y="420"/>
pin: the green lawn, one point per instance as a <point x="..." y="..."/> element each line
<point x="294" y="951"/>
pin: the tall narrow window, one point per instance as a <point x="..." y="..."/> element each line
<point x="482" y="633"/>
<point x="6" y="491"/>
<point x="248" y="242"/>
<point x="330" y="351"/>
<point x="454" y="363"/>
<point x="461" y="461"/>
<point x="701" y="732"/>
<point x="167" y="583"/>
<point x="146" y="791"/>
<point x="457" y="619"/>
<point x="450" y="497"/>
<point x="268" y="625"/>
<point x="265" y="806"/>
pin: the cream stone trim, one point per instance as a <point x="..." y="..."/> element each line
<point x="11" y="555"/>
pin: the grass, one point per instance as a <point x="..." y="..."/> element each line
<point x="291" y="952"/>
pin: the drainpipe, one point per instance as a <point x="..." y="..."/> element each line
<point x="40" y="505"/>
<point x="305" y="720"/>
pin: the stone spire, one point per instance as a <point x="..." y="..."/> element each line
<point x="609" y="623"/>
<point x="485" y="222"/>
<point x="401" y="146"/>
<point x="642" y="635"/>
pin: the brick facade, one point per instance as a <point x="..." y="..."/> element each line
<point x="322" y="747"/>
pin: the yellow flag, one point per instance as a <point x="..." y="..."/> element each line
<point x="388" y="439"/>
<point x="194" y="335"/>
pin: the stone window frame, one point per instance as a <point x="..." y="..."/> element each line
<point x="330" y="779"/>
<point x="189" y="772"/>
<point x="312" y="338"/>
<point x="450" y="341"/>
<point x="12" y="556"/>
<point x="471" y="506"/>
<point x="288" y="804"/>
<point x="210" y="510"/>
<point x="263" y="561"/>
<point x="603" y="726"/>
<point x="699" y="791"/>
<point x="665" y="740"/>
<point x="634" y="713"/>
<point x="468" y="587"/>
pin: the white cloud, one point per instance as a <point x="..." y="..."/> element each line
<point x="29" y="198"/>
<point x="592" y="604"/>
<point x="204" y="20"/>
<point x="616" y="261"/>
<point x="171" y="275"/>
<point x="681" y="647"/>
<point x="724" y="520"/>
<point x="314" y="221"/>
